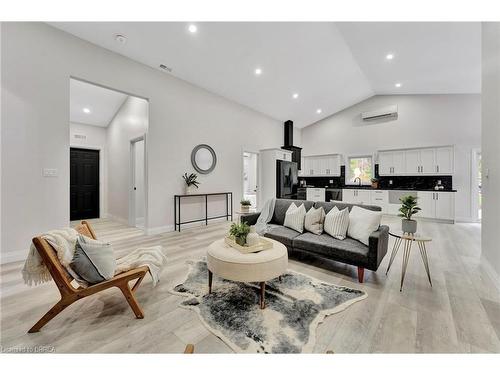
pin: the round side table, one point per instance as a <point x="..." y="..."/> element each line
<point x="407" y="239"/>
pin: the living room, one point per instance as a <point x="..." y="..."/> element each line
<point x="245" y="196"/>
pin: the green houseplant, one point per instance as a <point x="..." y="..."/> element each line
<point x="239" y="232"/>
<point x="191" y="181"/>
<point x="407" y="210"/>
<point x="245" y="205"/>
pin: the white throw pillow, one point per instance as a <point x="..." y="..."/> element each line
<point x="362" y="223"/>
<point x="294" y="217"/>
<point x="314" y="220"/>
<point x="336" y="223"/>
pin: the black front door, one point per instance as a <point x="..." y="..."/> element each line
<point x="84" y="184"/>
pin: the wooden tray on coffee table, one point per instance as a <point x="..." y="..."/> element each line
<point x="261" y="246"/>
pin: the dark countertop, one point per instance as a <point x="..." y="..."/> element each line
<point x="370" y="188"/>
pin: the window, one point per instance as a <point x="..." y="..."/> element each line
<point x="359" y="166"/>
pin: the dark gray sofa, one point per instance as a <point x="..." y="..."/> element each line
<point x="325" y="247"/>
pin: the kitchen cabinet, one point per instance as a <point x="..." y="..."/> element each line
<point x="356" y="196"/>
<point x="379" y="198"/>
<point x="321" y="165"/>
<point x="315" y="194"/>
<point x="436" y="205"/>
<point x="419" y="161"/>
<point x="391" y="163"/>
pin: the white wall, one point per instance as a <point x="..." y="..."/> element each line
<point x="35" y="132"/>
<point x="424" y="120"/>
<point x="95" y="138"/>
<point x="131" y="121"/>
<point x="491" y="145"/>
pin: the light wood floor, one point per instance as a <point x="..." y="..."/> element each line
<point x="461" y="313"/>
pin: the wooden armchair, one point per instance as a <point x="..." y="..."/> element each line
<point x="70" y="294"/>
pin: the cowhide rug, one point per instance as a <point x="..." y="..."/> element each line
<point x="294" y="308"/>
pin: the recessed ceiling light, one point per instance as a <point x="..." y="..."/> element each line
<point x="318" y="111"/>
<point x="295" y="95"/>
<point x="389" y="56"/>
<point x="258" y="71"/>
<point x="86" y="110"/>
<point x="122" y="39"/>
<point x="398" y="84"/>
<point x="192" y="29"/>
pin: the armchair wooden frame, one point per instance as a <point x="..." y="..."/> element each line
<point x="70" y="294"/>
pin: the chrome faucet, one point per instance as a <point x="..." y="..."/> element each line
<point x="359" y="180"/>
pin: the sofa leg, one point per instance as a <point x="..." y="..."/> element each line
<point x="361" y="274"/>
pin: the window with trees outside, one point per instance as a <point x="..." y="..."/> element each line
<point x="359" y="167"/>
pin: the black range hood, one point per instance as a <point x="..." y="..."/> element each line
<point x="288" y="143"/>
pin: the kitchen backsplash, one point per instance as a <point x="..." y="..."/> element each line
<point x="398" y="182"/>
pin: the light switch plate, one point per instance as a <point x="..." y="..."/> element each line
<point x="49" y="172"/>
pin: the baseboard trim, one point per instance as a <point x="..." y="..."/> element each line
<point x="13" y="256"/>
<point x="459" y="219"/>
<point x="495" y="277"/>
<point x="117" y="219"/>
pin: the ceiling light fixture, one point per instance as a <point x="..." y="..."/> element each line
<point x="318" y="111"/>
<point x="86" y="110"/>
<point x="295" y="96"/>
<point x="192" y="29"/>
<point x="258" y="71"/>
<point x="389" y="56"/>
<point x="122" y="39"/>
<point x="398" y="85"/>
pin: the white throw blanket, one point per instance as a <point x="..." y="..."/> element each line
<point x="64" y="242"/>
<point x="261" y="227"/>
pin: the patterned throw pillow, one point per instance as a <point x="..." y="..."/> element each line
<point x="337" y="222"/>
<point x="314" y="220"/>
<point x="294" y="217"/>
<point x="94" y="261"/>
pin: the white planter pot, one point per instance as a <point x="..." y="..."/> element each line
<point x="191" y="189"/>
<point x="245" y="208"/>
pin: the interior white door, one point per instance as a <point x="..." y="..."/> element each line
<point x="412" y="162"/>
<point x="139" y="194"/>
<point x="445" y="205"/>
<point x="426" y="201"/>
<point x="444" y="160"/>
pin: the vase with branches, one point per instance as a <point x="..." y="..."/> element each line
<point x="409" y="207"/>
<point x="192" y="182"/>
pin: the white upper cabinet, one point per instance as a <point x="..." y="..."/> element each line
<point x="323" y="165"/>
<point x="444" y="160"/>
<point x="423" y="161"/>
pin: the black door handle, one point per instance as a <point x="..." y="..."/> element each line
<point x="135" y="188"/>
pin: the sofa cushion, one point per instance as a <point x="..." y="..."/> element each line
<point x="327" y="246"/>
<point x="362" y="223"/>
<point x="282" y="234"/>
<point x="327" y="206"/>
<point x="281" y="206"/>
<point x="314" y="219"/>
<point x="294" y="217"/>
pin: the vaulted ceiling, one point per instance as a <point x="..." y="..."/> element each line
<point x="331" y="66"/>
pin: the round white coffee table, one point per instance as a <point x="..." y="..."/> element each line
<point x="230" y="264"/>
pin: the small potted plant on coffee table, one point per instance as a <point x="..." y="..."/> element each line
<point x="239" y="232"/>
<point x="192" y="182"/>
<point x="245" y="205"/>
<point x="407" y="210"/>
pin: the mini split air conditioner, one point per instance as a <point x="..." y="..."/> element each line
<point x="382" y="113"/>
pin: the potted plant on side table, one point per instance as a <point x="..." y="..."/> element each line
<point x="192" y="183"/>
<point x="245" y="205"/>
<point x="239" y="232"/>
<point x="407" y="210"/>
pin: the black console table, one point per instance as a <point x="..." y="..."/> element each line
<point x="177" y="208"/>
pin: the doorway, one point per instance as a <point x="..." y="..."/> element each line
<point x="250" y="177"/>
<point x="138" y="187"/>
<point x="84" y="184"/>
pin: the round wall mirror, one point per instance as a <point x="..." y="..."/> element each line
<point x="203" y="159"/>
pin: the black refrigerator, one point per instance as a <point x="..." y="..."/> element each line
<point x="287" y="180"/>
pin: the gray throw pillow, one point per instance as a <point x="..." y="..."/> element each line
<point x="314" y="220"/>
<point x="94" y="261"/>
